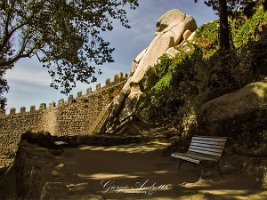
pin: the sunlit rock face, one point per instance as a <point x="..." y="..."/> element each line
<point x="172" y="29"/>
<point x="247" y="103"/>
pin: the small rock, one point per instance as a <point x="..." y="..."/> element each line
<point x="54" y="190"/>
<point x="59" y="166"/>
<point x="57" y="152"/>
<point x="229" y="168"/>
<point x="74" y="188"/>
<point x="55" y="173"/>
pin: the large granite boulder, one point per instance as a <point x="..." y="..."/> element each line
<point x="172" y="29"/>
<point x="231" y="107"/>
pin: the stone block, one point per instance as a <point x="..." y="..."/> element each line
<point x="98" y="86"/>
<point x="107" y="82"/>
<point x="12" y="111"/>
<point x="23" y="109"/>
<point x="116" y="78"/>
<point x="42" y="106"/>
<point x="32" y="108"/>
<point x="52" y="105"/>
<point x="60" y="102"/>
<point x="79" y="94"/>
<point x="88" y="91"/>
<point x="70" y="99"/>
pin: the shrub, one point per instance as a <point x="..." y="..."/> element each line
<point x="249" y="30"/>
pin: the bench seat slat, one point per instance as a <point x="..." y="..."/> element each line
<point x="194" y="157"/>
<point x="203" y="156"/>
<point x="185" y="157"/>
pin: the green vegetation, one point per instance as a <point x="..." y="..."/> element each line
<point x="165" y="76"/>
<point x="201" y="72"/>
<point x="249" y="30"/>
<point x="206" y="38"/>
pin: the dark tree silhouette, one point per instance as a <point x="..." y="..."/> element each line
<point x="224" y="32"/>
<point x="65" y="35"/>
<point x="220" y="6"/>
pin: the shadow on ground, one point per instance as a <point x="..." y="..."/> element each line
<point x="141" y="172"/>
<point x="137" y="171"/>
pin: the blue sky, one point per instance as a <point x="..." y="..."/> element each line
<point x="29" y="82"/>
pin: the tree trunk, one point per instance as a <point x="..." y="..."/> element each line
<point x="224" y="33"/>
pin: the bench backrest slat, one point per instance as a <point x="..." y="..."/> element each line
<point x="221" y="146"/>
<point x="212" y="146"/>
<point x="209" y="139"/>
<point x="207" y="148"/>
<point x="205" y="151"/>
<point x="209" y="142"/>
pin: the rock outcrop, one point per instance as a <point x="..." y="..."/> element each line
<point x="173" y="28"/>
<point x="229" y="107"/>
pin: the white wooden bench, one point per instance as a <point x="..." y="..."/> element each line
<point x="203" y="149"/>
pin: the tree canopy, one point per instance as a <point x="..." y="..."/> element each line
<point x="226" y="8"/>
<point x="65" y="35"/>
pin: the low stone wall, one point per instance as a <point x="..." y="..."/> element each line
<point x="76" y="116"/>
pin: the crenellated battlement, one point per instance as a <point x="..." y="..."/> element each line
<point x="118" y="78"/>
<point x="74" y="116"/>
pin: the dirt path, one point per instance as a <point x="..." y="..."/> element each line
<point x="140" y="172"/>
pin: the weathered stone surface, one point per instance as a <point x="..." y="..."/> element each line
<point x="54" y="190"/>
<point x="133" y="67"/>
<point x="186" y="34"/>
<point x="131" y="102"/>
<point x="252" y="97"/>
<point x="140" y="56"/>
<point x="170" y="30"/>
<point x="163" y="40"/>
<point x="170" y="17"/>
<point x="191" y="37"/>
<point x="172" y="52"/>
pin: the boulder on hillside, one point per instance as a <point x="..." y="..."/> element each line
<point x="247" y="105"/>
<point x="172" y="29"/>
<point x="169" y="33"/>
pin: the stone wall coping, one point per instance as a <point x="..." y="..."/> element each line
<point x="118" y="78"/>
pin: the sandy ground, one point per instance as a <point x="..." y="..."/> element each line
<point x="142" y="172"/>
<point x="137" y="171"/>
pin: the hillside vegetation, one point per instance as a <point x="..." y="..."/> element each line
<point x="202" y="72"/>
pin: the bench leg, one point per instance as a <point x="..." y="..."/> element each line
<point x="180" y="163"/>
<point x="216" y="165"/>
<point x="219" y="169"/>
<point x="211" y="165"/>
<point x="202" y="169"/>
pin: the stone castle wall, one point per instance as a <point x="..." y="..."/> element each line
<point x="75" y="116"/>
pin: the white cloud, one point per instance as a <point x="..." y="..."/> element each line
<point x="28" y="72"/>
